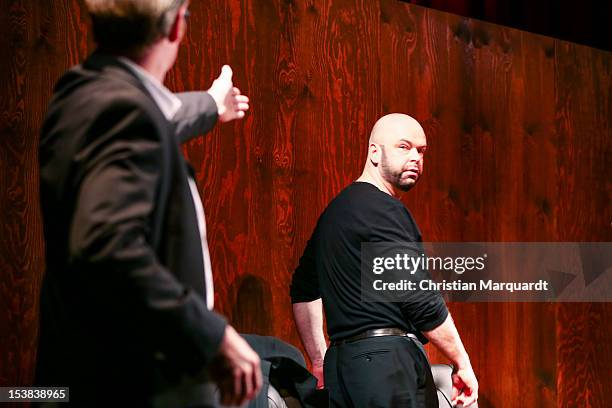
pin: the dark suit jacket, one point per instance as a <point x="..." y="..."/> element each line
<point x="284" y="367"/>
<point x="123" y="313"/>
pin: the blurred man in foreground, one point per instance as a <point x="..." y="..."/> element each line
<point x="126" y="306"/>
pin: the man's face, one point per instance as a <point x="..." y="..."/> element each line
<point x="401" y="162"/>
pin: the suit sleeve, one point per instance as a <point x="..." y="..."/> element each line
<point x="109" y="244"/>
<point x="197" y="115"/>
<point x="425" y="309"/>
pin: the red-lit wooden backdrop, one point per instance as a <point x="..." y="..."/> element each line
<point x="519" y="128"/>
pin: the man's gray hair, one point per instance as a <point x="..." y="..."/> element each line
<point x="131" y="25"/>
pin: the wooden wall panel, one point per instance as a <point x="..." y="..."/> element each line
<point x="583" y="82"/>
<point x="519" y="134"/>
<point x="38" y="41"/>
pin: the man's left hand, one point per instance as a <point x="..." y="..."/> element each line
<point x="317" y="371"/>
<point x="230" y="103"/>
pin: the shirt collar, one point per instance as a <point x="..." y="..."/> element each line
<point x="167" y="102"/>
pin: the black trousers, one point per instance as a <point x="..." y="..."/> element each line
<point x="389" y="371"/>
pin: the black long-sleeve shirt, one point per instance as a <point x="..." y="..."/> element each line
<point x="330" y="267"/>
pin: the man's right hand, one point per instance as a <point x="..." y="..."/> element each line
<point x="446" y="338"/>
<point x="236" y="370"/>
<point x="465" y="387"/>
<point x="231" y="104"/>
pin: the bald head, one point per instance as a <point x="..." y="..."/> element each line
<point x="395" y="153"/>
<point x="393" y="126"/>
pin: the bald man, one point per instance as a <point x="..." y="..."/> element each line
<point x="376" y="356"/>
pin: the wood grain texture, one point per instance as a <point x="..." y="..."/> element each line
<point x="39" y="42"/>
<point x="583" y="109"/>
<point x="519" y="133"/>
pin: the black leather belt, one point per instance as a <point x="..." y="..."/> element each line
<point x="387" y="331"/>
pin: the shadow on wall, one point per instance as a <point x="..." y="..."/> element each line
<point x="252" y="307"/>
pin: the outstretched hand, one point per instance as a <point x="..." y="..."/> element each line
<point x="230" y="103"/>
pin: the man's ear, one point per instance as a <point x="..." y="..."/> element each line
<point x="177" y="30"/>
<point x="374" y="153"/>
